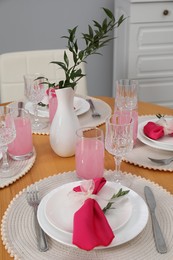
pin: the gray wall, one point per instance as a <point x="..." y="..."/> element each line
<point x="39" y="24"/>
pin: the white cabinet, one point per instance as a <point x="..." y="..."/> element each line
<point x="143" y="49"/>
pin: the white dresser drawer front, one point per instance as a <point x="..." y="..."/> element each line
<point x="150" y="66"/>
<point x="149" y="38"/>
<point x="151" y="12"/>
<point x="158" y="90"/>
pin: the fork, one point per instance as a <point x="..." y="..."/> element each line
<point x="94" y="112"/>
<point x="162" y="161"/>
<point x="32" y="196"/>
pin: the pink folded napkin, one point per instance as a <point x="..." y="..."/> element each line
<point x="90" y="226"/>
<point x="153" y="130"/>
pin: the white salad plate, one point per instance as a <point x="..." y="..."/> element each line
<point x="61" y="229"/>
<point x="80" y="104"/>
<point x="164" y="143"/>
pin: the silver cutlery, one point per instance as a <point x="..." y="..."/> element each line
<point x="158" y="236"/>
<point x="32" y="196"/>
<point x="93" y="109"/>
<point x="165" y="161"/>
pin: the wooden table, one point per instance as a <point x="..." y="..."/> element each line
<point x="48" y="163"/>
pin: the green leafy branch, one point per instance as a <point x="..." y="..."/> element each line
<point x="96" y="38"/>
<point x="117" y="195"/>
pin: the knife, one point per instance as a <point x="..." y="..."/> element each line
<point x="158" y="236"/>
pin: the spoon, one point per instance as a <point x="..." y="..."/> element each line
<point x="165" y="161"/>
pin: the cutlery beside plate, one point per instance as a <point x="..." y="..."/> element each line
<point x="158" y="236"/>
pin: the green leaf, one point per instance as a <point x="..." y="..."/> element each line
<point x="109" y="13"/>
<point x="66" y="59"/>
<point x="61" y="64"/>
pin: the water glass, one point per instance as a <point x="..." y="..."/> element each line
<point x="89" y="154"/>
<point x="22" y="146"/>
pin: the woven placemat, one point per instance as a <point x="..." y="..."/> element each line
<point x="20" y="168"/>
<point x="86" y="119"/>
<point x="18" y="235"/>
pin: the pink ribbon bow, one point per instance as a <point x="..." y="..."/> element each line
<point x="90" y="226"/>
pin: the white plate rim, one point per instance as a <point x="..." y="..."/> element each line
<point x="66" y="186"/>
<point x="41" y="113"/>
<point x="136" y="223"/>
<point x="144" y="139"/>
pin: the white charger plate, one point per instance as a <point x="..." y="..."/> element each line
<point x="80" y="104"/>
<point x="64" y="198"/>
<point x="130" y="230"/>
<point x="165" y="143"/>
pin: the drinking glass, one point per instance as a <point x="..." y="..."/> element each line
<point x="7" y="135"/>
<point x="89" y="154"/>
<point x="119" y="139"/>
<point x="127" y="100"/>
<point x="22" y="146"/>
<point x="35" y="92"/>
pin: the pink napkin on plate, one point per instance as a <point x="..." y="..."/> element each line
<point x="153" y="130"/>
<point x="90" y="226"/>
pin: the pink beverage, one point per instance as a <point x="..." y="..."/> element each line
<point x="22" y="146"/>
<point x="53" y="103"/>
<point x="89" y="158"/>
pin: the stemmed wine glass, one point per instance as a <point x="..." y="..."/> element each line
<point x="119" y="139"/>
<point x="126" y="100"/>
<point x="35" y="92"/>
<point x="7" y="135"/>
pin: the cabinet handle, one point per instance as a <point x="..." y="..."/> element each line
<point x="165" y="12"/>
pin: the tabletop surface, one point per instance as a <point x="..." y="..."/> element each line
<point x="48" y="163"/>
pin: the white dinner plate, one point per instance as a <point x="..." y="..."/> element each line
<point x="63" y="198"/>
<point x="80" y="104"/>
<point x="164" y="143"/>
<point x="130" y="230"/>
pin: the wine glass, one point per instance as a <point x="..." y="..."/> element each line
<point x="119" y="139"/>
<point x="126" y="94"/>
<point x="35" y="92"/>
<point x="127" y="100"/>
<point x="7" y="135"/>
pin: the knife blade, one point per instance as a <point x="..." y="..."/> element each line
<point x="158" y="236"/>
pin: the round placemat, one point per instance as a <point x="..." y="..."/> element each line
<point x="18" y="234"/>
<point x="86" y="119"/>
<point x="140" y="153"/>
<point x="20" y="167"/>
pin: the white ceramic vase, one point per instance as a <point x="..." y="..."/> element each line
<point x="64" y="125"/>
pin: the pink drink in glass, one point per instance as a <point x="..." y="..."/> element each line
<point x="22" y="146"/>
<point x="89" y="158"/>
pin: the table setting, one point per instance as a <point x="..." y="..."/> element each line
<point x="146" y="147"/>
<point x="132" y="240"/>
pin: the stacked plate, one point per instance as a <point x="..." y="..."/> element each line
<point x="56" y="210"/>
<point x="81" y="106"/>
<point x="164" y="143"/>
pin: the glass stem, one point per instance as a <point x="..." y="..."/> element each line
<point x="117" y="168"/>
<point x="5" y="164"/>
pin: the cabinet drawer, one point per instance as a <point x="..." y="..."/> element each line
<point x="151" y="12"/>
